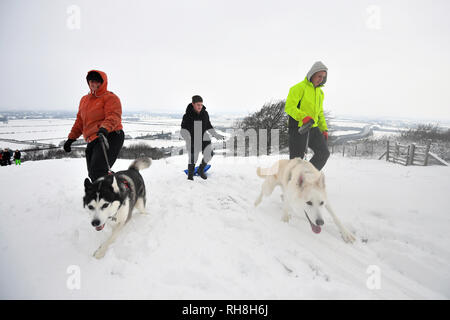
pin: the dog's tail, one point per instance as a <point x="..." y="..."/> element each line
<point x="140" y="164"/>
<point x="265" y="172"/>
<point x="259" y="173"/>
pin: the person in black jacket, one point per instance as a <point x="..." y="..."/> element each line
<point x="17" y="156"/>
<point x="195" y="123"/>
<point x="6" y="157"/>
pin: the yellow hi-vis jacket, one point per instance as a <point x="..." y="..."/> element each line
<point x="306" y="100"/>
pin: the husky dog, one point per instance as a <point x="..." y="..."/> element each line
<point x="112" y="198"/>
<point x="303" y="192"/>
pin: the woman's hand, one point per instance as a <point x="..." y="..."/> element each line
<point x="102" y="131"/>
<point x="67" y="145"/>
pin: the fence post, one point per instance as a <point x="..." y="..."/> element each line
<point x="356" y="148"/>
<point x="425" y="163"/>
<point x="387" y="151"/>
<point x="412" y="150"/>
<point x="343" y="150"/>
<point x="408" y="155"/>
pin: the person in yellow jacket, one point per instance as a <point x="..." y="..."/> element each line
<point x="305" y="104"/>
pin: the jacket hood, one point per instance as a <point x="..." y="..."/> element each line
<point x="104" y="86"/>
<point x="190" y="108"/>
<point x="316" y="67"/>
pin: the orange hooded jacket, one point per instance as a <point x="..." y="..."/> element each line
<point x="99" y="109"/>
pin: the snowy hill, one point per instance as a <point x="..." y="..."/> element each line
<point x="205" y="239"/>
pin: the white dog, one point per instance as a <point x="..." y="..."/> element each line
<point x="303" y="192"/>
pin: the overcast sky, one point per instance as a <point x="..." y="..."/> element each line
<point x="385" y="58"/>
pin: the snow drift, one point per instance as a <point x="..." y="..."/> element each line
<point x="205" y="240"/>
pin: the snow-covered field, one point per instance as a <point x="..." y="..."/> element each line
<point x="55" y="131"/>
<point x="41" y="130"/>
<point x="344" y="132"/>
<point x="205" y="239"/>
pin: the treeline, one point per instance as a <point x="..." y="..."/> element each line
<point x="427" y="132"/>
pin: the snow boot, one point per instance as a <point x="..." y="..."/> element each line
<point x="201" y="167"/>
<point x="191" y="168"/>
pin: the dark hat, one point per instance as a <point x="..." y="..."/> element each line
<point x="94" y="76"/>
<point x="196" y="99"/>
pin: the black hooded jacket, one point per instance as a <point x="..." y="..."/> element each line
<point x="6" y="155"/>
<point x="190" y="116"/>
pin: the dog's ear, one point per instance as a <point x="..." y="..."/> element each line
<point x="301" y="180"/>
<point x="87" y="184"/>
<point x="321" y="181"/>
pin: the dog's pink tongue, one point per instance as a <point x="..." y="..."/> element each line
<point x="315" y="228"/>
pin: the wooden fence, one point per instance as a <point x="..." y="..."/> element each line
<point x="412" y="154"/>
<point x="355" y="149"/>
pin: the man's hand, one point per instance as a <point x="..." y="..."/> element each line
<point x="216" y="135"/>
<point x="219" y="136"/>
<point x="325" y="134"/>
<point x="307" y="119"/>
<point x="67" y="145"/>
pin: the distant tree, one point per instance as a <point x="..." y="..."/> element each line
<point x="272" y="116"/>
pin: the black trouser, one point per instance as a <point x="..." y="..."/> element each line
<point x="193" y="154"/>
<point x="317" y="142"/>
<point x="95" y="158"/>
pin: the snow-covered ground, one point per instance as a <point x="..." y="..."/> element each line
<point x="41" y="130"/>
<point x="379" y="135"/>
<point x="55" y="131"/>
<point x="344" y="132"/>
<point x="15" y="146"/>
<point x="205" y="239"/>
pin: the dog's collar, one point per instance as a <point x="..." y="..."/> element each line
<point x="125" y="183"/>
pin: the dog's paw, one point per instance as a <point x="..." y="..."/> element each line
<point x="258" y="201"/>
<point x="99" y="253"/>
<point x="285" y="218"/>
<point x="348" y="237"/>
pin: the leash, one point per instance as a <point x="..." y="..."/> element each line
<point x="307" y="145"/>
<point x="105" y="146"/>
<point x="306" y="128"/>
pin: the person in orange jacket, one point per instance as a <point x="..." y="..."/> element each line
<point x="100" y="112"/>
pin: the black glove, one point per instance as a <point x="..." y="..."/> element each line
<point x="102" y="131"/>
<point x="67" y="145"/>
